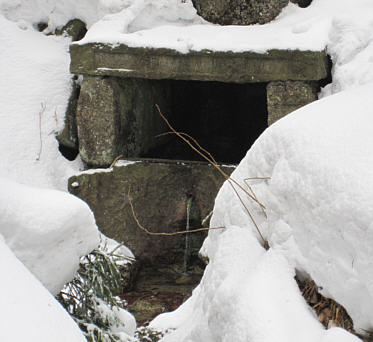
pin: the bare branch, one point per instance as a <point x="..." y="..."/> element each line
<point x="115" y="161"/>
<point x="208" y="157"/>
<point x="41" y="112"/>
<point x="163" y="234"/>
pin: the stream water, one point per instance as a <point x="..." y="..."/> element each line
<point x="164" y="287"/>
<point x="187" y="251"/>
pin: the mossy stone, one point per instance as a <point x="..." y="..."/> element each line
<point x="159" y="191"/>
<point x="75" y="28"/>
<point x="244" y="67"/>
<point x="239" y="12"/>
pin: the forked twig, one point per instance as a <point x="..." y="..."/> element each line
<point x="147" y="231"/>
<point x="208" y="157"/>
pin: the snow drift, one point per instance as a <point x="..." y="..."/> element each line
<point x="48" y="230"/>
<point x="318" y="201"/>
<point x="29" y="312"/>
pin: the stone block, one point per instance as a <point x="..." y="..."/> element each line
<point x="118" y="117"/>
<point x="245" y="67"/>
<point x="285" y="97"/>
<point x="160" y="190"/>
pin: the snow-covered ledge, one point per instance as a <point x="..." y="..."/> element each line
<point x="120" y="60"/>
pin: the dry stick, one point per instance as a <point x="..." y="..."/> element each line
<point x="252" y="191"/>
<point x="163" y="234"/>
<point x="213" y="161"/>
<point x="228" y="178"/>
<point x="115" y="161"/>
<point x="210" y="160"/>
<point x="42" y="110"/>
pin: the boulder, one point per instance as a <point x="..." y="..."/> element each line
<point x="159" y="191"/>
<point x="239" y="12"/>
<point x="75" y="28"/>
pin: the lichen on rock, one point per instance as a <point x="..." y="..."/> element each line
<point x="239" y="12"/>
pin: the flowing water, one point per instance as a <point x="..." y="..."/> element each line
<point x="187" y="250"/>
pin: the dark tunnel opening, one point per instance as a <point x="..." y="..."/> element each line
<point x="225" y="119"/>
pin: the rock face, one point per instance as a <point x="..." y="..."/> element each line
<point x="69" y="135"/>
<point x="118" y="117"/>
<point x="159" y="191"/>
<point x="75" y="28"/>
<point x="285" y="97"/>
<point x="239" y="12"/>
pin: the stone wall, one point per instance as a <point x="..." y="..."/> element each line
<point x="159" y="191"/>
<point x="285" y="97"/>
<point x="118" y="117"/>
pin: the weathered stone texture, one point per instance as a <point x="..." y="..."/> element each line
<point x="159" y="192"/>
<point x="239" y="12"/>
<point x="98" y="121"/>
<point x="75" y="28"/>
<point x="69" y="135"/>
<point x="285" y="97"/>
<point x="245" y="67"/>
<point x="118" y="117"/>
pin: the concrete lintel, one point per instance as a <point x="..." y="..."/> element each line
<point x="244" y="67"/>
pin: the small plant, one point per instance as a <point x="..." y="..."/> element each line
<point x="92" y="299"/>
<point x="146" y="334"/>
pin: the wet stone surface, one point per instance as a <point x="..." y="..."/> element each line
<point x="161" y="289"/>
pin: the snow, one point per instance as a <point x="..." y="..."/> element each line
<point x="28" y="311"/>
<point x="35" y="85"/>
<point x="119" y="253"/>
<point x="318" y="201"/>
<point x="57" y="13"/>
<point x="123" y="323"/>
<point x="318" y="197"/>
<point x="351" y="48"/>
<point x="48" y="230"/>
<point x="294" y="28"/>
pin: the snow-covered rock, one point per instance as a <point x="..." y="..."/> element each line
<point x="48" y="230"/>
<point x="318" y="201"/>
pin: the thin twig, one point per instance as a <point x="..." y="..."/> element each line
<point x="163" y="234"/>
<point x="252" y="191"/>
<point x="115" y="161"/>
<point x="42" y="110"/>
<point x="211" y="160"/>
<point x="194" y="140"/>
<point x="250" y="215"/>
